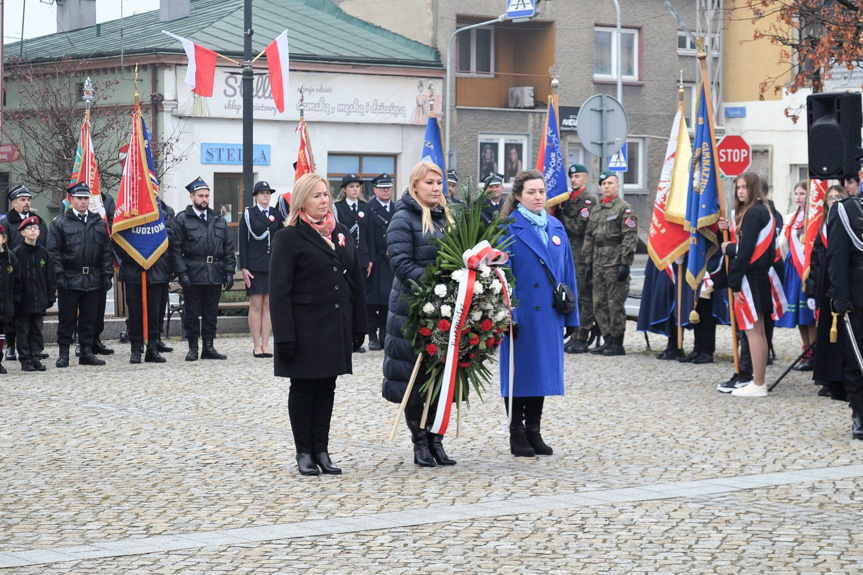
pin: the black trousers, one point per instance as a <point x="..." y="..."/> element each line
<point x="377" y="317"/>
<point x="164" y="298"/>
<point x="310" y="407"/>
<point x="30" y="341"/>
<point x="200" y="308"/>
<point x="100" y="314"/>
<point x="77" y="310"/>
<point x="851" y="371"/>
<point x="135" y="303"/>
<point x="705" y="329"/>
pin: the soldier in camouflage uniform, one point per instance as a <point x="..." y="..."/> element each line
<point x="609" y="248"/>
<point x="574" y="213"/>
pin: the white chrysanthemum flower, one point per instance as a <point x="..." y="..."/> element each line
<point x="478" y="288"/>
<point x="428" y="309"/>
<point x="456" y="275"/>
<point x="485" y="271"/>
<point x="476" y="315"/>
<point x="446" y="310"/>
<point x="496" y="286"/>
<point x="500" y="315"/>
<point x="440" y="290"/>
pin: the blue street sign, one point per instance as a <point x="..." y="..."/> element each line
<point x="618" y="161"/>
<point x="735" y="111"/>
<point x="520" y="9"/>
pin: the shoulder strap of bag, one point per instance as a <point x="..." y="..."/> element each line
<point x="548" y="272"/>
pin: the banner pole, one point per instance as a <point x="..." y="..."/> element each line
<point x="144" y="305"/>
<point x="404" y="402"/>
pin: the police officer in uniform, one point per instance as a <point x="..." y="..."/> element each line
<point x="19" y="198"/>
<point x="80" y="250"/>
<point x="845" y="276"/>
<point x="353" y="213"/>
<point x="609" y="248"/>
<point x="575" y="213"/>
<point x="452" y="186"/>
<point x="494" y="184"/>
<point x="380" y="281"/>
<point x="204" y="262"/>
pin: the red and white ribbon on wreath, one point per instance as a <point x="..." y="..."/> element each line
<point x="482" y="254"/>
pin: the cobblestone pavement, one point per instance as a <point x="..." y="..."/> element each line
<point x="188" y="468"/>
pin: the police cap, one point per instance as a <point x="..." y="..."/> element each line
<point x="20" y="192"/>
<point x="79" y="190"/>
<point x="493" y="179"/>
<point x="197" y="184"/>
<point x="349" y="178"/>
<point x="262" y="186"/>
<point x="383" y="181"/>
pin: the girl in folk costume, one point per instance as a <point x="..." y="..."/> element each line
<point x="751" y="260"/>
<point x="828" y="356"/>
<point x="792" y="242"/>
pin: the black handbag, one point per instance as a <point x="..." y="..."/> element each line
<point x="564" y="297"/>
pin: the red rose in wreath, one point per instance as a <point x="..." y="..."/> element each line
<point x="490" y="342"/>
<point x="444" y="325"/>
<point x="474" y="340"/>
<point x="425" y="332"/>
<point x="431" y="349"/>
<point x="464" y="364"/>
<point x="486" y="325"/>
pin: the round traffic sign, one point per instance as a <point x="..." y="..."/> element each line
<point x="735" y="155"/>
<point x="602" y="120"/>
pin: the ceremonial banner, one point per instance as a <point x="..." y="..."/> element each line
<point x="201" y="73"/>
<point x="668" y="240"/>
<point x="433" y="148"/>
<point x="277" y="62"/>
<point x="702" y="205"/>
<point x="550" y="158"/>
<point x="139" y="225"/>
<point x="814" y="215"/>
<point x="86" y="170"/>
<point x="305" y="161"/>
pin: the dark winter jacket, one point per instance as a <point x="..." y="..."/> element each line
<point x="81" y="253"/>
<point x="8" y="271"/>
<point x="380" y="282"/>
<point x="360" y="228"/>
<point x="205" y="251"/>
<point x="159" y="272"/>
<point x="35" y="286"/>
<point x="317" y="301"/>
<point x="12" y="220"/>
<point x="410" y="253"/>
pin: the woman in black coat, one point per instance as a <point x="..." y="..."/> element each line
<point x="419" y="216"/>
<point x="318" y="312"/>
<point x="257" y="226"/>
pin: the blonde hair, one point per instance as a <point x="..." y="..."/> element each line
<point x="418" y="172"/>
<point x="302" y="192"/>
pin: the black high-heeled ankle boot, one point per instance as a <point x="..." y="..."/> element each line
<point x="306" y="464"/>
<point x="436" y="450"/>
<point x="326" y="465"/>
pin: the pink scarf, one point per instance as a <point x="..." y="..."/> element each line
<point x="324" y="227"/>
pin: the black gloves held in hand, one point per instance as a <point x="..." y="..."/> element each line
<point x="842" y="305"/>
<point x="229" y="281"/>
<point x="622" y="272"/>
<point x="107" y="282"/>
<point x="285" y="351"/>
<point x="185" y="282"/>
<point x="359" y="338"/>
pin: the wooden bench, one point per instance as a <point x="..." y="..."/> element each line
<point x="175" y="288"/>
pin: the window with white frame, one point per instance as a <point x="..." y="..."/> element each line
<point x="690" y="97"/>
<point x="634" y="178"/>
<point x="605" y="56"/>
<point x="476" y="52"/>
<point x="686" y="47"/>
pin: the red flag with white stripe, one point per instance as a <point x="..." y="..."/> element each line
<point x="277" y="62"/>
<point x="201" y="72"/>
<point x="305" y="163"/>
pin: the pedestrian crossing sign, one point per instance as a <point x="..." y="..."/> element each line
<point x="617" y="161"/>
<point x="520" y="9"/>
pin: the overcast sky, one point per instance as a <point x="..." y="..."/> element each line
<point x="40" y="16"/>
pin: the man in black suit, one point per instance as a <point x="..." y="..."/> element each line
<point x="380" y="280"/>
<point x="353" y="213"/>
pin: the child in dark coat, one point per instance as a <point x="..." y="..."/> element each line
<point x="8" y="264"/>
<point x="34" y="293"/>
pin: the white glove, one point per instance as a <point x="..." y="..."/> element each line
<point x="810" y="303"/>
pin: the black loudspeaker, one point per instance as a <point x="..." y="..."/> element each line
<point x="834" y="122"/>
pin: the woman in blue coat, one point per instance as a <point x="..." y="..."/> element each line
<point x="539" y="333"/>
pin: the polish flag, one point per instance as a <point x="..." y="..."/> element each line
<point x="201" y="73"/>
<point x="277" y="61"/>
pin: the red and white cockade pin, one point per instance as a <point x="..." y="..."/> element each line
<point x="272" y="218"/>
<point x="556" y="240"/>
<point x="361" y="214"/>
<point x="342" y="240"/>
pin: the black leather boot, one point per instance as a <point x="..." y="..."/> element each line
<point x="374" y="343"/>
<point x="436" y="449"/>
<point x="518" y="444"/>
<point x="192" y="354"/>
<point x="856" y="401"/>
<point x="419" y="436"/>
<point x="209" y="352"/>
<point x="576" y="346"/>
<point x="137" y="348"/>
<point x="162" y="348"/>
<point x="326" y="465"/>
<point x="100" y="348"/>
<point x="532" y="417"/>
<point x="152" y="355"/>
<point x="63" y="357"/>
<point x="87" y="357"/>
<point x="615" y="347"/>
<point x="306" y="464"/>
<point x="601" y="348"/>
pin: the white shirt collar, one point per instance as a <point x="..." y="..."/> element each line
<point x="197" y="212"/>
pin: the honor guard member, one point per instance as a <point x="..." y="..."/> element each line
<point x="609" y="248"/>
<point x="452" y="186"/>
<point x="203" y="256"/>
<point x="80" y="250"/>
<point x="575" y="213"/>
<point x="353" y="213"/>
<point x="257" y="226"/>
<point x="99" y="348"/>
<point x="845" y="276"/>
<point x="494" y="184"/>
<point x="380" y="281"/>
<point x="19" y="199"/>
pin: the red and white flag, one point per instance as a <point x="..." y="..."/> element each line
<point x="201" y="73"/>
<point x="277" y="62"/>
<point x="305" y="163"/>
<point x="814" y="214"/>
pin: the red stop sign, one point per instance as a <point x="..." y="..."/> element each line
<point x="735" y="155"/>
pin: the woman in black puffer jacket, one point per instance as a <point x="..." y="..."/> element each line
<point x="420" y="214"/>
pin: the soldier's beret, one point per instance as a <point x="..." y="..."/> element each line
<point x="577" y="169"/>
<point x="605" y="175"/>
<point x="197" y="184"/>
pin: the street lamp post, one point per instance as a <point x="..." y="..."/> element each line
<point x="248" y="110"/>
